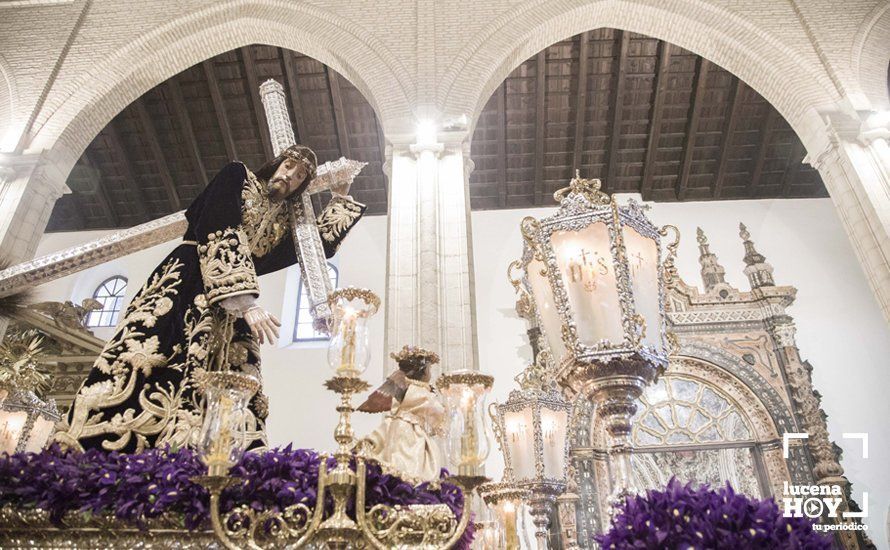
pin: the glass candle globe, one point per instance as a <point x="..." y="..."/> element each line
<point x="467" y="442"/>
<point x="223" y="434"/>
<point x="349" y="350"/>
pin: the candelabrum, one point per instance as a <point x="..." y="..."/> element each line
<point x="532" y="430"/>
<point x="383" y="526"/>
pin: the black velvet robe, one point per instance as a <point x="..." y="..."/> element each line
<point x="141" y="392"/>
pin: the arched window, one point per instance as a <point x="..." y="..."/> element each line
<point x="303" y="330"/>
<point x="690" y="429"/>
<point x="111" y="295"/>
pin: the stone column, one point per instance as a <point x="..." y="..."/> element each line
<point x="853" y="157"/>
<point x="430" y="294"/>
<point x="29" y="188"/>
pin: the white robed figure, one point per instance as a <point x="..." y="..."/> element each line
<point x="404" y="440"/>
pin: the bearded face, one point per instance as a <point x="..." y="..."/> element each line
<point x="288" y="177"/>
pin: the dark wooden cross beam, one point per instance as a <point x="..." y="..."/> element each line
<point x="219" y="109"/>
<point x="581" y="100"/>
<point x="661" y="84"/>
<point x="735" y="104"/>
<point x="151" y="136"/>
<point x="698" y="92"/>
<point x="617" y="101"/>
<point x="501" y="138"/>
<point x="339" y="112"/>
<point x="253" y="85"/>
<point x="188" y="131"/>
<point x="540" y="124"/>
<point x="762" y="149"/>
<point x="296" y="106"/>
<point x="101" y="193"/>
<point x="137" y="197"/>
<point x="795" y="160"/>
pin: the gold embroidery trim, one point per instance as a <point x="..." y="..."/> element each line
<point x="264" y="222"/>
<point x="337" y="218"/>
<point x="226" y="265"/>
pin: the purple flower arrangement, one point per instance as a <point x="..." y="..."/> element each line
<point x="141" y="486"/>
<point x="686" y="517"/>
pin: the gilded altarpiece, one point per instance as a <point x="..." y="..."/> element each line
<point x="735" y="384"/>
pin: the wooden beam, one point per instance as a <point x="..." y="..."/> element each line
<point x="661" y="84"/>
<point x="795" y="160"/>
<point x="296" y="105"/>
<point x="339" y="112"/>
<point x="219" y="109"/>
<point x="581" y="101"/>
<point x="501" y="137"/>
<point x="253" y="84"/>
<point x="735" y="104"/>
<point x="762" y="148"/>
<point x="188" y="131"/>
<point x="540" y="122"/>
<point x="101" y="193"/>
<point x="617" y="102"/>
<point x="698" y="91"/>
<point x="151" y="136"/>
<point x="117" y="148"/>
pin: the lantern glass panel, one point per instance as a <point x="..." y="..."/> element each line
<point x="520" y="433"/>
<point x="588" y="275"/>
<point x="553" y="430"/>
<point x="11" y="426"/>
<point x="543" y="294"/>
<point x="642" y="260"/>
<point x="40" y="432"/>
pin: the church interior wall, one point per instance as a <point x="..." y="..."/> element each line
<point x="802" y="239"/>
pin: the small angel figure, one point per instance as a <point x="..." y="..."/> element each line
<point x="403" y="441"/>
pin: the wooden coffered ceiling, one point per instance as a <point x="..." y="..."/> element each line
<point x="641" y="114"/>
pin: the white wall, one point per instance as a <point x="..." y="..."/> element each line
<point x="840" y="328"/>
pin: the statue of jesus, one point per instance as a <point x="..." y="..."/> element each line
<point x="141" y="392"/>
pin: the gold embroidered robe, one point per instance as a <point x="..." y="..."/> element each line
<point x="141" y="392"/>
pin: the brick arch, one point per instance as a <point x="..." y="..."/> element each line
<point x="97" y="95"/>
<point x="724" y="37"/>
<point x="871" y="57"/>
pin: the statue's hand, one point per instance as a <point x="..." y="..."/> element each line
<point x="263" y="325"/>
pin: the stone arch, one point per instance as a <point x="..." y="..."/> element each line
<point x="728" y="39"/>
<point x="8" y="101"/>
<point x="871" y="57"/>
<point x="97" y="95"/>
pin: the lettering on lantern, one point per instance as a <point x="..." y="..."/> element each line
<point x="586" y="268"/>
<point x="635" y="261"/>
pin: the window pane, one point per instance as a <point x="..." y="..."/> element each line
<point x="303" y="329"/>
<point x="111" y="295"/>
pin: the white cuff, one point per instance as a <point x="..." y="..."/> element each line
<point x="238" y="305"/>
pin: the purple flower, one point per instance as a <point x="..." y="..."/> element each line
<point x="683" y="516"/>
<point x="141" y="486"/>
